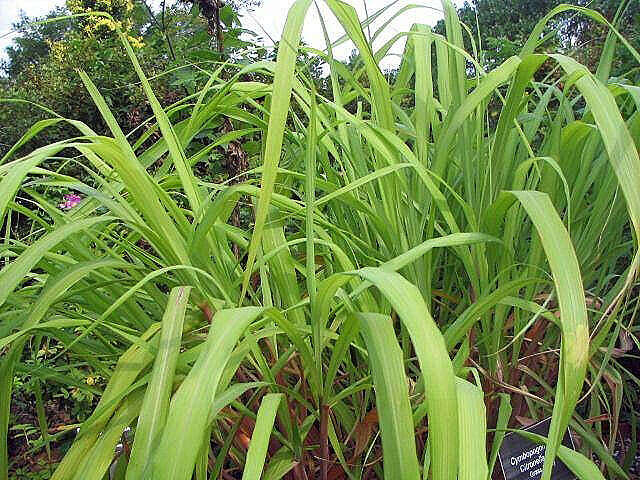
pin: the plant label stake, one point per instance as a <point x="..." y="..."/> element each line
<point x="522" y="459"/>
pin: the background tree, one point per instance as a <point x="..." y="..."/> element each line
<point x="502" y="27"/>
<point x="41" y="66"/>
<point x="219" y="12"/>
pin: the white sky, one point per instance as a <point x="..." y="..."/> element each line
<point x="271" y="17"/>
<point x="10" y="12"/>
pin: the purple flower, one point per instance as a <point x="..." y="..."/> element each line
<point x="71" y="200"/>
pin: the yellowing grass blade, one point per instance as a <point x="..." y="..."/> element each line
<point x="187" y="420"/>
<point x="472" y="421"/>
<point x="392" y="398"/>
<point x="348" y="17"/>
<point x="156" y="400"/>
<point x="97" y="461"/>
<point x="176" y="151"/>
<point x="573" y="314"/>
<point x="280" y="101"/>
<point x="504" y="414"/>
<point x="260" y="438"/>
<point x="435" y="364"/>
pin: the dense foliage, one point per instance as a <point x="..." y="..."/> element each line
<point x="171" y="41"/>
<point x="501" y="27"/>
<point x="432" y="258"/>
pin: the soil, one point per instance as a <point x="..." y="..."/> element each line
<point x="20" y="445"/>
<point x="634" y="470"/>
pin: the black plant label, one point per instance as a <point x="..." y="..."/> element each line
<point x="522" y="459"/>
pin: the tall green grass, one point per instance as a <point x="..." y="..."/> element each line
<point x="415" y="245"/>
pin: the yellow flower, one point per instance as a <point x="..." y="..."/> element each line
<point x="136" y="42"/>
<point x="45" y="350"/>
<point x="74" y="5"/>
<point x="57" y="51"/>
<point x="117" y="8"/>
